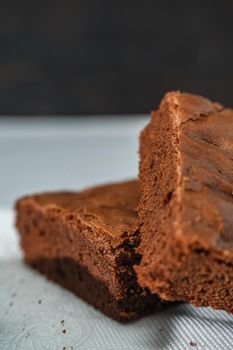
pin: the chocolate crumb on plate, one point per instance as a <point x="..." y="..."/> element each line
<point x="192" y="343"/>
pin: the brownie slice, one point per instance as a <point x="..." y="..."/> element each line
<point x="186" y="208"/>
<point x="86" y="242"/>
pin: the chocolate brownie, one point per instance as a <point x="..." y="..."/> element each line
<point x="86" y="242"/>
<point x="186" y="208"/>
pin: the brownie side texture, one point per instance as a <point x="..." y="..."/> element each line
<point x="186" y="207"/>
<point x="86" y="242"/>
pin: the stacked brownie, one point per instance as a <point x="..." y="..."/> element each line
<point x="186" y="206"/>
<point x="118" y="248"/>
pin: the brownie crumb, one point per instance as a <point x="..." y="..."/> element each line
<point x="62" y="322"/>
<point x="39" y="301"/>
<point x="192" y="343"/>
<point x="64" y="331"/>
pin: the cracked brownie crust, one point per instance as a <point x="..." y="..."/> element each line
<point x="186" y="208"/>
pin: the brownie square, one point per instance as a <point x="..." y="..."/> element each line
<point x="86" y="242"/>
<point x="186" y="208"/>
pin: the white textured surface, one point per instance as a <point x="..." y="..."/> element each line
<point x="53" y="154"/>
<point x="26" y="324"/>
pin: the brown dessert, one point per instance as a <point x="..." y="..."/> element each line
<point x="86" y="242"/>
<point x="186" y="208"/>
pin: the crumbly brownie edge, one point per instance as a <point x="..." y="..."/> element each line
<point x="158" y="181"/>
<point x="76" y="278"/>
<point x="194" y="274"/>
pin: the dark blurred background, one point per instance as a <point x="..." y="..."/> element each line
<point x="84" y="57"/>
